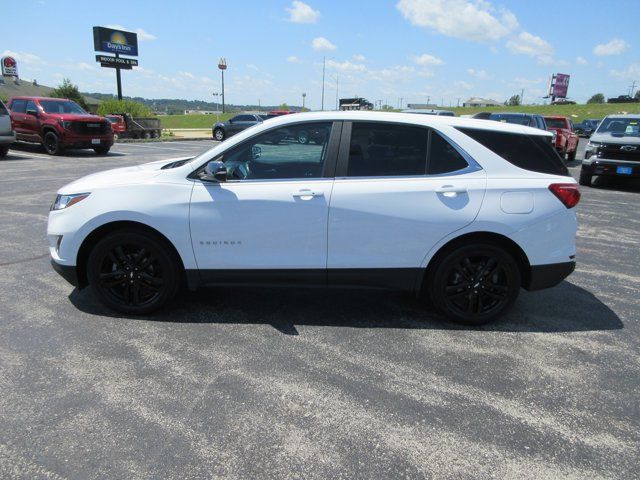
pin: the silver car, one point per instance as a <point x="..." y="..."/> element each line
<point x="613" y="149"/>
<point x="7" y="135"/>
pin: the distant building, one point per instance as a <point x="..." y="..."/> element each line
<point x="481" y="102"/>
<point x="421" y="106"/>
<point x="355" y="104"/>
<point x="200" y="112"/>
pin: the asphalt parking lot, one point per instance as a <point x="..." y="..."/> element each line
<point x="310" y="384"/>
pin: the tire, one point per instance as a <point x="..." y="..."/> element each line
<point x="147" y="135"/>
<point x="51" y="144"/>
<point x="585" y="178"/>
<point x="101" y="150"/>
<point x="303" y="137"/>
<point x="4" y="149"/>
<point x="563" y="153"/>
<point x="150" y="265"/>
<point x="474" y="284"/>
<point x="571" y="156"/>
<point x="218" y="134"/>
<point x="115" y="137"/>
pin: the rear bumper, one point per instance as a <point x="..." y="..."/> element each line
<point x="68" y="272"/>
<point x="8" y="139"/>
<point x="546" y="276"/>
<point x="610" y="167"/>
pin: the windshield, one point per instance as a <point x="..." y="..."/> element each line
<point x="511" y="118"/>
<point x="555" y="123"/>
<point x="61" y="106"/>
<point x="620" y="127"/>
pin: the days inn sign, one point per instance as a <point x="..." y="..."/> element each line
<point x="115" y="41"/>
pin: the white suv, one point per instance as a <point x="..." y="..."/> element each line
<point x="466" y="211"/>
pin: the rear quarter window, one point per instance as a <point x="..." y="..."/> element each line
<point x="529" y="152"/>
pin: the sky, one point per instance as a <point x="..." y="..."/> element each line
<point x="409" y="51"/>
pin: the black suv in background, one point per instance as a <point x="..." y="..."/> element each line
<point x="222" y="130"/>
<point x="527" y="119"/>
<point x="586" y="127"/>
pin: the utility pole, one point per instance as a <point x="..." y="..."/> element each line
<point x="323" y="66"/>
<point x="304" y="96"/>
<point x="222" y="65"/>
<point x="522" y="97"/>
<point x="458" y="102"/>
<point x="632" y="87"/>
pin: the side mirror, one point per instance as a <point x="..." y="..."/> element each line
<point x="215" y="171"/>
<point x="32" y="112"/>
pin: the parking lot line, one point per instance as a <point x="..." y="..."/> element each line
<point x="136" y="145"/>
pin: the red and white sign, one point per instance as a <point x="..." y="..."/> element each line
<point x="9" y="67"/>
<point x="559" y="85"/>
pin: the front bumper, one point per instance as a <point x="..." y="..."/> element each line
<point x="74" y="140"/>
<point x="610" y="167"/>
<point x="546" y="276"/>
<point x="68" y="272"/>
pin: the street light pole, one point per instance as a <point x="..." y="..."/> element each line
<point x="304" y="96"/>
<point x="216" y="94"/>
<point x="222" y="65"/>
<point x="323" y="66"/>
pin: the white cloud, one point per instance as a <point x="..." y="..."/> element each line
<point x="322" y="43"/>
<point x="481" y="74"/>
<point x="253" y="67"/>
<point x="293" y="59"/>
<point x="632" y="72"/>
<point x="187" y="75"/>
<point x="581" y="61"/>
<point x="300" y="12"/>
<point x="614" y="47"/>
<point x="142" y="34"/>
<point x="359" y="58"/>
<point x="462" y="85"/>
<point x="426" y="60"/>
<point x="533" y="46"/>
<point x="346" y="66"/>
<point x="474" y="20"/>
<point x="24" y="57"/>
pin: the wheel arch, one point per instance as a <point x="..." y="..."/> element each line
<point x="499" y="239"/>
<point x="98" y="233"/>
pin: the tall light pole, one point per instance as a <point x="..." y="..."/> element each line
<point x="323" y="66"/>
<point x="216" y="94"/>
<point x="222" y="65"/>
<point x="336" y="79"/>
<point x="304" y="96"/>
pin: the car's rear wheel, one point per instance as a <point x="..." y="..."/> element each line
<point x="133" y="272"/>
<point x="4" y="149"/>
<point x="218" y="134"/>
<point x="475" y="284"/>
<point x="585" y="178"/>
<point x="571" y="156"/>
<point x="51" y="144"/>
<point x="101" y="150"/>
<point x="303" y="137"/>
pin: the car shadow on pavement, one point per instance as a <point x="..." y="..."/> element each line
<point x="27" y="148"/>
<point x="565" y="308"/>
<point x="616" y="183"/>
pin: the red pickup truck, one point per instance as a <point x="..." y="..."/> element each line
<point x="566" y="141"/>
<point x="57" y="124"/>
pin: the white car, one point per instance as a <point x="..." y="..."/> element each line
<point x="466" y="211"/>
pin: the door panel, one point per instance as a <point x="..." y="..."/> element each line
<point x="260" y="225"/>
<point x="393" y="223"/>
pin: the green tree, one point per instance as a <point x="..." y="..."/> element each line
<point x="283" y="106"/>
<point x="514" y="101"/>
<point x="597" y="98"/>
<point x="68" y="90"/>
<point x="135" y="109"/>
<point x="3" y="98"/>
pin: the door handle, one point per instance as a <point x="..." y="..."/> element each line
<point x="306" y="193"/>
<point x="451" y="190"/>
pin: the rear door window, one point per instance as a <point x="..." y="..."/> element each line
<point x="387" y="150"/>
<point x="19" y="106"/>
<point x="3" y="109"/>
<point x="443" y="157"/>
<point x="530" y="152"/>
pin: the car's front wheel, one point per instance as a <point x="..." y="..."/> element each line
<point x="585" y="178"/>
<point x="52" y="144"/>
<point x="218" y="134"/>
<point x="133" y="272"/>
<point x="474" y="284"/>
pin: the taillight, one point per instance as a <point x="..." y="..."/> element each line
<point x="567" y="193"/>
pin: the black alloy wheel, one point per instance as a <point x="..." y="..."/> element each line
<point x="475" y="284"/>
<point x="51" y="144"/>
<point x="4" y="149"/>
<point x="132" y="272"/>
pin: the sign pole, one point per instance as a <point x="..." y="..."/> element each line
<point x="222" y="90"/>
<point x="118" y="79"/>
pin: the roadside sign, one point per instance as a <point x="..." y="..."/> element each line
<point x="9" y="67"/>
<point x="115" y="41"/>
<point x="115" y="62"/>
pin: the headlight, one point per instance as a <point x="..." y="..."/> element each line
<point x="593" y="145"/>
<point x="66" y="124"/>
<point x="64" y="201"/>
